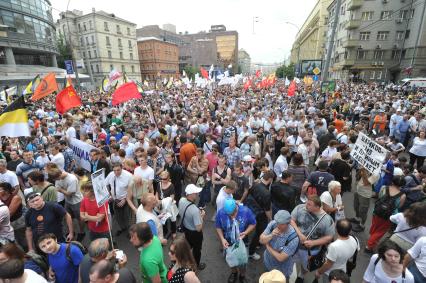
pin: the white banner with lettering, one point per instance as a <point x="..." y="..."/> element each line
<point x="369" y="153"/>
<point x="98" y="183"/>
<point x="81" y="153"/>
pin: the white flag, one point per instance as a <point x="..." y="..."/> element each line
<point x="287" y="82"/>
<point x="184" y="73"/>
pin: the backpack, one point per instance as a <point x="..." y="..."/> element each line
<point x="79" y="245"/>
<point x="386" y="205"/>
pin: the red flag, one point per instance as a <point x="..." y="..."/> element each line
<point x="291" y="89"/>
<point x="67" y="99"/>
<point x="125" y="92"/>
<point x="258" y="73"/>
<point x="247" y="84"/>
<point x="259" y="85"/>
<point x="46" y="86"/>
<point x="264" y="83"/>
<point x="204" y="73"/>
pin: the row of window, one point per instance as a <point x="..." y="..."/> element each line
<point x="388" y="15"/>
<point x="384" y="35"/>
<point x="111" y="66"/>
<point x="117" y="28"/>
<point x="95" y="54"/>
<point x="373" y="75"/>
<point x="379" y="54"/>
<point x="146" y="67"/>
<point x="119" y="42"/>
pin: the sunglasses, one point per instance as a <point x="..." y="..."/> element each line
<point x="33" y="197"/>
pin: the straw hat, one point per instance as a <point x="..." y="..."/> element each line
<point x="273" y="276"/>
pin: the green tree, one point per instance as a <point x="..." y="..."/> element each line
<point x="190" y="71"/>
<point x="64" y="51"/>
<point x="285" y="71"/>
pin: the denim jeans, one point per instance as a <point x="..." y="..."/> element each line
<point x="418" y="276"/>
<point x="205" y="195"/>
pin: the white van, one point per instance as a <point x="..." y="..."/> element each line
<point x="418" y="82"/>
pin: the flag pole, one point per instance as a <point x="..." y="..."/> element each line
<point x="109" y="226"/>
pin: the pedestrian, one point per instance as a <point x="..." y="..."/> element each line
<point x="104" y="271"/>
<point x="225" y="192"/>
<point x="418" y="150"/>
<point x="314" y="227"/>
<point x="386" y="266"/>
<point x="259" y="201"/>
<point x="147" y="214"/>
<point x="64" y="259"/>
<point x="317" y="182"/>
<point x="332" y="200"/>
<point x="390" y="200"/>
<point x="45" y="218"/>
<point x="283" y="194"/>
<point x="415" y="260"/>
<point x="338" y="276"/>
<point x="151" y="261"/>
<point x="117" y="183"/>
<point x="340" y="251"/>
<point x="14" y="270"/>
<point x="274" y="276"/>
<point x="192" y="220"/>
<point x="40" y="185"/>
<point x="183" y="267"/>
<point x="234" y="222"/>
<point x="281" y="242"/>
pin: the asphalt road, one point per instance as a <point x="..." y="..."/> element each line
<point x="217" y="270"/>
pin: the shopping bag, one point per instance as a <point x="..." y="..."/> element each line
<point x="236" y="255"/>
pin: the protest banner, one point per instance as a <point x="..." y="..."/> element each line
<point x="98" y="183"/>
<point x="81" y="153"/>
<point x="369" y="153"/>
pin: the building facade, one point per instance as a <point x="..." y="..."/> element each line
<point x="101" y="42"/>
<point x="27" y="33"/>
<point x="310" y="40"/>
<point x="244" y="61"/>
<point x="217" y="47"/>
<point x="158" y="59"/>
<point x="378" y="40"/>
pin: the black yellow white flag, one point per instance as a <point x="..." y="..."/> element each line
<point x="14" y="120"/>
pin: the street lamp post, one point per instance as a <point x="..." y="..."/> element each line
<point x="298" y="45"/>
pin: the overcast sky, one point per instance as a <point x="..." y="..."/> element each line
<point x="270" y="42"/>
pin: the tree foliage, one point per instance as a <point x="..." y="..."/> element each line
<point x="190" y="71"/>
<point x="64" y="51"/>
<point x="285" y="71"/>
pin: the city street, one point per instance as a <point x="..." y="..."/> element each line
<point x="217" y="269"/>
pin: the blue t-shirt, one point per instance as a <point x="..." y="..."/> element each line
<point x="65" y="270"/>
<point x="278" y="243"/>
<point x="245" y="217"/>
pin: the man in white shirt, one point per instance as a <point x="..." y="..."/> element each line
<point x="303" y="149"/>
<point x="145" y="172"/>
<point x="57" y="157"/>
<point x="294" y="141"/>
<point x="70" y="133"/>
<point x="224" y="193"/>
<point x="339" y="251"/>
<point x="7" y="176"/>
<point x="281" y="164"/>
<point x="142" y="141"/>
<point x="418" y="254"/>
<point x="117" y="183"/>
<point x="394" y="121"/>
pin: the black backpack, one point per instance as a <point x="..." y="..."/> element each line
<point x="82" y="248"/>
<point x="386" y="205"/>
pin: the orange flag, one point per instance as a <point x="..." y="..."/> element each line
<point x="67" y="99"/>
<point x="46" y="86"/>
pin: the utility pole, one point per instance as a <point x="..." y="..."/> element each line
<point x="331" y="41"/>
<point x="74" y="62"/>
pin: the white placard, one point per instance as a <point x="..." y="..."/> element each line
<point x="369" y="153"/>
<point x="82" y="153"/>
<point x="98" y="183"/>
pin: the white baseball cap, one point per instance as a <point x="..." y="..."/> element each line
<point x="192" y="189"/>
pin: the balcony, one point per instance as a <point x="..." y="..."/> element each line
<point x="353" y="24"/>
<point x="348" y="62"/>
<point x="354" y="4"/>
<point x="350" y="43"/>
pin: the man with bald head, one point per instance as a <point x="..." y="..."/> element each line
<point x="104" y="271"/>
<point x="146" y="214"/>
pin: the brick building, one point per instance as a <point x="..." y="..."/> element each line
<point x="158" y="59"/>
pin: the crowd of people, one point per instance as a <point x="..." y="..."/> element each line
<point x="271" y="170"/>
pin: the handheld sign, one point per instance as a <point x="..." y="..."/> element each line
<point x="101" y="192"/>
<point x="369" y="153"/>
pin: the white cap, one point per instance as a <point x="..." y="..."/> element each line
<point x="247" y="158"/>
<point x="192" y="189"/>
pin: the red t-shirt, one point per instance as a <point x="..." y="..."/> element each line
<point x="91" y="208"/>
<point x="212" y="158"/>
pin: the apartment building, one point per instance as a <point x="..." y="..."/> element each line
<point x="102" y="42"/>
<point x="378" y="40"/>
